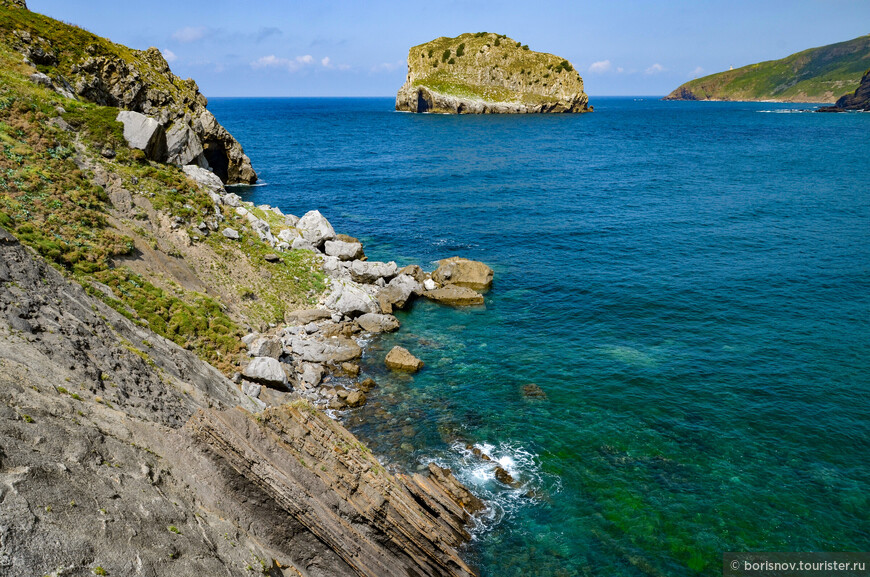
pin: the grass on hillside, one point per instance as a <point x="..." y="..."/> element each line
<point x="818" y="74"/>
<point x="451" y="66"/>
<point x="49" y="201"/>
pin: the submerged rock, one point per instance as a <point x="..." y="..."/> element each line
<point x="457" y="296"/>
<point x="401" y="359"/>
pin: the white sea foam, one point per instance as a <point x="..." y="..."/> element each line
<point x="479" y="476"/>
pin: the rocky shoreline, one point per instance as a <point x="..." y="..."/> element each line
<point x="314" y="354"/>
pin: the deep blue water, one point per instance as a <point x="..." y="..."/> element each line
<point x="689" y="283"/>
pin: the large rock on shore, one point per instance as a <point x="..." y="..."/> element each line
<point x="350" y="299"/>
<point x="145" y="134"/>
<point x="314" y="228"/>
<point x="401" y="359"/>
<point x="487" y="73"/>
<point x="463" y="272"/>
<point x="457" y="296"/>
<point x="375" y="323"/>
<point x="398" y="293"/>
<point x="368" y="272"/>
<point x="335" y="350"/>
<point x="265" y="370"/>
<point x="343" y="250"/>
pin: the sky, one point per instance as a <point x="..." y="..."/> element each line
<point x="359" y="48"/>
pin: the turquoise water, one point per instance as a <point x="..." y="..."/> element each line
<point x="689" y="284"/>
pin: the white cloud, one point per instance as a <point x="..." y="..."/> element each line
<point x="697" y="72"/>
<point x="325" y="62"/>
<point x="655" y="69"/>
<point x="388" y="66"/>
<point x="169" y="55"/>
<point x="600" y="67"/>
<point x="190" y="34"/>
<point x="289" y="64"/>
<point x="620" y="70"/>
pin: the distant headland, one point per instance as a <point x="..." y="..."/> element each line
<point x="821" y="74"/>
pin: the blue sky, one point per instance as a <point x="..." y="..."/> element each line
<point x="345" y="48"/>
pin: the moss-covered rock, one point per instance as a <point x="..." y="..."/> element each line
<point x="100" y="71"/>
<point x="486" y="73"/>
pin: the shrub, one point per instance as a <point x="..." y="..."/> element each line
<point x="525" y="46"/>
<point x="461" y="50"/>
<point x="451" y="61"/>
<point x="445" y="56"/>
<point x="497" y="42"/>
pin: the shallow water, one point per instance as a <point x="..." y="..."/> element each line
<point x="689" y="284"/>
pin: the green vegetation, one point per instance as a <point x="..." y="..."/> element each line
<point x="174" y="529"/>
<point x="816" y="75"/>
<point x="98" y="570"/>
<point x="520" y="70"/>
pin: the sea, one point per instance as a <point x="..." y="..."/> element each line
<point x="687" y="285"/>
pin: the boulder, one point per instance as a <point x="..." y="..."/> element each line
<point x="369" y="272"/>
<point x="355" y="399"/>
<point x="429" y="284"/>
<point x="344" y="250"/>
<point x="311" y="374"/>
<point x="400" y="359"/>
<point x="504" y="477"/>
<point x="183" y="146"/>
<point x="204" y="178"/>
<point x="377" y="323"/>
<point x="251" y="389"/>
<point x="315" y="228"/>
<point x="289" y="235"/>
<point x="453" y="295"/>
<point x="463" y="272"/>
<point x="230" y="233"/>
<point x="398" y="293"/>
<point x="335" y="350"/>
<point x="144" y="133"/>
<point x="306" y="316"/>
<point x="415" y="272"/>
<point x="266" y="371"/>
<point x="533" y="391"/>
<point x="367" y="385"/>
<point x="266" y="347"/>
<point x="350" y="299"/>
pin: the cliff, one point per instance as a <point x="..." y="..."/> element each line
<point x="815" y="75"/>
<point x="487" y="73"/>
<point x="130" y="290"/>
<point x="124" y="454"/>
<point x="81" y="65"/>
<point x="858" y="100"/>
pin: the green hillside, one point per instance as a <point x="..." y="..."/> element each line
<point x="816" y="75"/>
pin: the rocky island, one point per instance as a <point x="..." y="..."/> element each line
<point x="816" y="75"/>
<point x="167" y="350"/>
<point x="486" y="73"/>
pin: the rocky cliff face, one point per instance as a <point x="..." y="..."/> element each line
<point x="123" y="454"/>
<point x="488" y="73"/>
<point x="82" y="65"/>
<point x="859" y="100"/>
